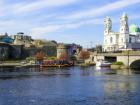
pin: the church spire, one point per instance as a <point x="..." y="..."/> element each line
<point x="107" y="25"/>
<point x="124" y="28"/>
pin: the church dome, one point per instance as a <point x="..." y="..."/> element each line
<point x="134" y="28"/>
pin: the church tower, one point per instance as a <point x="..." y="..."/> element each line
<point x="107" y="31"/>
<point x="107" y="25"/>
<point x="124" y="31"/>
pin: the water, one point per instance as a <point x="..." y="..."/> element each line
<point x="69" y="86"/>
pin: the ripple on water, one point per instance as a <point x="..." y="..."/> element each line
<point x="72" y="86"/>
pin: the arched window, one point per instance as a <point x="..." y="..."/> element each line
<point x="111" y="39"/>
<point x="130" y="40"/>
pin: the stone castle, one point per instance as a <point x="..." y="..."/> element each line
<point x="21" y="46"/>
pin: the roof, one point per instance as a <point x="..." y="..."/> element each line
<point x="6" y="39"/>
<point x="124" y="15"/>
<point x="108" y="18"/>
<point x="61" y="46"/>
<point x="50" y="43"/>
<point x="132" y="35"/>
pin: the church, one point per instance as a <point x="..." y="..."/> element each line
<point x="128" y="38"/>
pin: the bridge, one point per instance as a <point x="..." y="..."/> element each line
<point x="129" y="58"/>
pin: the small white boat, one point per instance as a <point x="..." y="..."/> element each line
<point x="102" y="63"/>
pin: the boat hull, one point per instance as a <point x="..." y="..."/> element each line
<point x="103" y="64"/>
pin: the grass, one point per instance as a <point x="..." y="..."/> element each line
<point x="117" y="63"/>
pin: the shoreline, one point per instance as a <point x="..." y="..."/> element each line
<point x="17" y="65"/>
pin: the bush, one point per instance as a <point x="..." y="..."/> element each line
<point x="117" y="63"/>
<point x="84" y="55"/>
<point x="51" y="58"/>
<point x="30" y="58"/>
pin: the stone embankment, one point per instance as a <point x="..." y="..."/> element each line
<point x="17" y="65"/>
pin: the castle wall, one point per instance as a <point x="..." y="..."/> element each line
<point x="16" y="51"/>
<point x="4" y="51"/>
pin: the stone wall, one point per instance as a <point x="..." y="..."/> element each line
<point x="16" y="51"/>
<point x="128" y="60"/>
<point x="4" y="51"/>
<point x="31" y="51"/>
<point x="48" y="51"/>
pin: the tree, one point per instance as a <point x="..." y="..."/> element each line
<point x="73" y="59"/>
<point x="28" y="59"/>
<point x="63" y="56"/>
<point x="84" y="55"/>
<point x="39" y="55"/>
<point x="98" y="48"/>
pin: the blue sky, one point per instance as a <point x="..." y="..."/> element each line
<point x="68" y="21"/>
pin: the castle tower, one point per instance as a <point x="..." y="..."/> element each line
<point x="124" y="31"/>
<point x="62" y="52"/>
<point x="107" y="25"/>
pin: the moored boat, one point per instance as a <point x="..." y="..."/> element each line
<point x="56" y="63"/>
<point x="102" y="63"/>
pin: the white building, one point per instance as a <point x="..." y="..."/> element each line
<point x="22" y="39"/>
<point x="126" y="38"/>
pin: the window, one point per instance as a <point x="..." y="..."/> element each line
<point x="122" y="39"/>
<point x="130" y="40"/>
<point x="111" y="39"/>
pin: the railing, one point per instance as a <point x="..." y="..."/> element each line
<point x="133" y="53"/>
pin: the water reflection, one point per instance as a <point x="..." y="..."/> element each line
<point x="119" y="85"/>
<point x="83" y="71"/>
<point x="124" y="72"/>
<point x="69" y="86"/>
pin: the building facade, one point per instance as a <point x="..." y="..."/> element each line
<point x="21" y="39"/>
<point x="62" y="50"/>
<point x="68" y="50"/>
<point x="128" y="38"/>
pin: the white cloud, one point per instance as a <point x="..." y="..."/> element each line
<point x="102" y="10"/>
<point x="13" y="26"/>
<point x="37" y="31"/>
<point x="43" y="30"/>
<point x="2" y="8"/>
<point x="40" y="4"/>
<point x="133" y="17"/>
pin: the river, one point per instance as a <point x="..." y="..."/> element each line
<point x="69" y="86"/>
